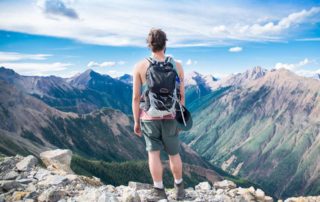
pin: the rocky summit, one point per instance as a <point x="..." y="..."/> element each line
<point x="23" y="179"/>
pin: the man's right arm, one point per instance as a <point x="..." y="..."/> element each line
<point x="136" y="99"/>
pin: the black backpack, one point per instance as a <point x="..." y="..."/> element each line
<point x="162" y="94"/>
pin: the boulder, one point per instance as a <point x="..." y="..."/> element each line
<point x="53" y="180"/>
<point x="203" y="186"/>
<point x="259" y="194"/>
<point x="19" y="195"/>
<point x="41" y="174"/>
<point x="95" y="194"/>
<point x="58" y="160"/>
<point x="225" y="184"/>
<point x="8" y="185"/>
<point x="139" y="186"/>
<point x="27" y="163"/>
<point x="51" y="194"/>
<point x="131" y="196"/>
<point x="11" y="175"/>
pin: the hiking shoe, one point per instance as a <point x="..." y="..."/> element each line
<point x="180" y="192"/>
<point x="157" y="194"/>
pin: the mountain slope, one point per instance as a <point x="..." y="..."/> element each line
<point x="83" y="93"/>
<point x="197" y="85"/>
<point x="28" y="125"/>
<point x="263" y="126"/>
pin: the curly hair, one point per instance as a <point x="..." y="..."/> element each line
<point x="156" y="40"/>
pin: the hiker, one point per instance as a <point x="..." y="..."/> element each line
<point x="157" y="88"/>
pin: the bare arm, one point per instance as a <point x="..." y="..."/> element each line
<point x="181" y="77"/>
<point x="136" y="99"/>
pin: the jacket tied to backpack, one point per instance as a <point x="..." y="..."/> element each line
<point x="162" y="95"/>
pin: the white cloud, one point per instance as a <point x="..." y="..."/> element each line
<point x="235" y="49"/>
<point x="309" y="39"/>
<point x="39" y="69"/>
<point x="191" y="62"/>
<point x="14" y="56"/>
<point x="121" y="23"/>
<point x="294" y="66"/>
<point x="105" y="64"/>
<point x="305" y="67"/>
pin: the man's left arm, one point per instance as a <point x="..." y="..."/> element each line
<point x="181" y="77"/>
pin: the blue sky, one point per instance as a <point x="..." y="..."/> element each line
<point x="65" y="37"/>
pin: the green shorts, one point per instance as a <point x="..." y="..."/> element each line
<point x="160" y="134"/>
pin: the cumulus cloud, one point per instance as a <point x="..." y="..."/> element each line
<point x="294" y="66"/>
<point x="14" y="56"/>
<point x="265" y="31"/>
<point x="305" y="67"/>
<point x="57" y="7"/>
<point x="105" y="64"/>
<point x="39" y="69"/>
<point x="235" y="49"/>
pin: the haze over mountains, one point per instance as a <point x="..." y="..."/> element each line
<point x="262" y="125"/>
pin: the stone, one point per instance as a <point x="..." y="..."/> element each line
<point x="220" y="191"/>
<point x="71" y="177"/>
<point x="51" y="194"/>
<point x="53" y="180"/>
<point x="268" y="199"/>
<point x="138" y="185"/>
<point x="203" y="186"/>
<point x="24" y="181"/>
<point x="19" y="195"/>
<point x="8" y="185"/>
<point x="41" y="174"/>
<point x="58" y="160"/>
<point x="131" y="196"/>
<point x="94" y="194"/>
<point x="251" y="190"/>
<point x="10" y="175"/>
<point x="27" y="163"/>
<point x="225" y="184"/>
<point x="259" y="194"/>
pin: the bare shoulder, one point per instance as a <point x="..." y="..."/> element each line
<point x="179" y="68"/>
<point x="141" y="65"/>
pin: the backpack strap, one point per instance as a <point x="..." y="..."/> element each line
<point x="171" y="60"/>
<point x="151" y="60"/>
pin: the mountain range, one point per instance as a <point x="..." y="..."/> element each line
<point x="262" y="125"/>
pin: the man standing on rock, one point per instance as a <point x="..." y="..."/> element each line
<point x="157" y="88"/>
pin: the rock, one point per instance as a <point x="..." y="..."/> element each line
<point x="10" y="175"/>
<point x="139" y="186"/>
<point x="27" y="163"/>
<point x="8" y="185"/>
<point x="131" y="196"/>
<point x="225" y="184"/>
<point x="251" y="190"/>
<point x="220" y="191"/>
<point x="24" y="181"/>
<point x="268" y="199"/>
<point x="51" y="194"/>
<point x="53" y="180"/>
<point x="41" y="174"/>
<point x="94" y="194"/>
<point x="58" y="160"/>
<point x="203" y="186"/>
<point x="259" y="194"/>
<point x="19" y="195"/>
